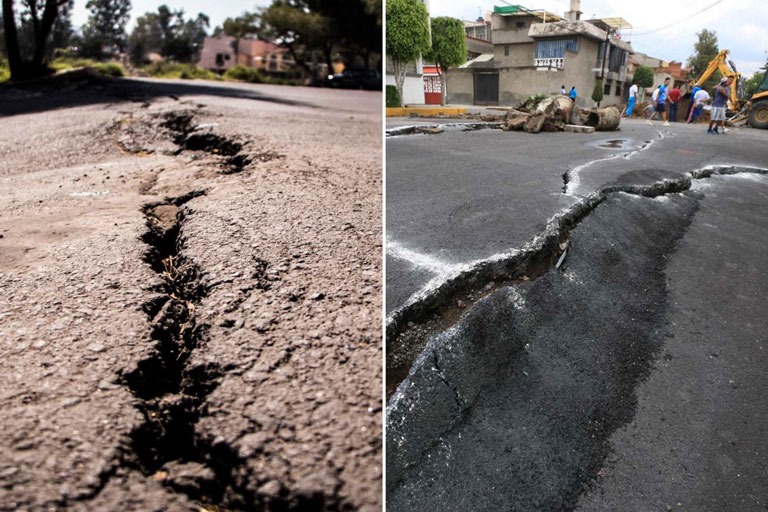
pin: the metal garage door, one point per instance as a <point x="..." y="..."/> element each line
<point x="486" y="88"/>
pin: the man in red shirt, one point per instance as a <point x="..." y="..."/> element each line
<point x="673" y="96"/>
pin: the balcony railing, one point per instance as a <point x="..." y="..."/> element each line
<point x="549" y="63"/>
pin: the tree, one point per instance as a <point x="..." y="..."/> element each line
<point x="407" y="35"/>
<point x="597" y="94"/>
<point x="752" y="84"/>
<point x="166" y="32"/>
<point x="704" y="50"/>
<point x="39" y="16"/>
<point x="239" y="28"/>
<point x="62" y="32"/>
<point x="301" y="31"/>
<point x="449" y="47"/>
<point x="105" y="26"/>
<point x="643" y="76"/>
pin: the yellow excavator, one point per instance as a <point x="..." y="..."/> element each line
<point x="755" y="109"/>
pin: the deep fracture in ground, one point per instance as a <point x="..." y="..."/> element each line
<point x="190" y="298"/>
<point x="578" y="323"/>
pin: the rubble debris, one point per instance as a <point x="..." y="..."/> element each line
<point x="557" y="114"/>
<point x="578" y="128"/>
<point x="534" y="123"/>
<point x="604" y="119"/>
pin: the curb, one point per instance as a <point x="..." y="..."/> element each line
<point x="424" y="111"/>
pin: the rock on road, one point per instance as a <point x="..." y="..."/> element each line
<point x="190" y="297"/>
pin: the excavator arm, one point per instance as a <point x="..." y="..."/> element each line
<point x="721" y="63"/>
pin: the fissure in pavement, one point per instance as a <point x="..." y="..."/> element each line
<point x="187" y="138"/>
<point x="170" y="392"/>
<point x="410" y="327"/>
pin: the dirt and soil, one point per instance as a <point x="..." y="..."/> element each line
<point x="190" y="297"/>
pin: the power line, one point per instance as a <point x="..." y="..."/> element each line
<point x="678" y="21"/>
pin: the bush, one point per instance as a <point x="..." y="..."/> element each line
<point x="5" y="72"/>
<point x="244" y="74"/>
<point x="113" y="69"/>
<point x="597" y="94"/>
<point x="166" y="69"/>
<point x="393" y="99"/>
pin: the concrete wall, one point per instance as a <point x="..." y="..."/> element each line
<point x="413" y="89"/>
<point x="460" y="89"/>
<point x="520" y="54"/>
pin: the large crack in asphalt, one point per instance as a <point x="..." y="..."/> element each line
<point x="446" y="298"/>
<point x="170" y="392"/>
<point x="513" y="407"/>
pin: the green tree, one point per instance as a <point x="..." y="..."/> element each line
<point x="597" y="93"/>
<point x="449" y="47"/>
<point x="643" y="76"/>
<point x="37" y="22"/>
<point x="105" y="26"/>
<point x="62" y="32"/>
<point x="168" y="33"/>
<point x="301" y="31"/>
<point x="407" y="36"/>
<point x="704" y="50"/>
<point x="239" y="28"/>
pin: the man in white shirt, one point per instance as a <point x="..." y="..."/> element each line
<point x="632" y="99"/>
<point x="699" y="99"/>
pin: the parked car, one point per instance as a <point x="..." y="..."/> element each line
<point x="358" y="78"/>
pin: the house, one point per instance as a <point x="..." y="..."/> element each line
<point x="219" y="55"/>
<point x="537" y="52"/>
<point x="413" y="86"/>
<point x="662" y="70"/>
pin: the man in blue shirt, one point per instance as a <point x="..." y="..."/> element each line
<point x="719" y="104"/>
<point x="696" y="88"/>
<point x="660" y="103"/>
<point x="572" y="94"/>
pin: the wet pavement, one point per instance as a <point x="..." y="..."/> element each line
<point x="190" y="288"/>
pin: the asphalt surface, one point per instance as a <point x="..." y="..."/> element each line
<point x="627" y="379"/>
<point x="630" y="379"/>
<point x="459" y="197"/>
<point x="190" y="297"/>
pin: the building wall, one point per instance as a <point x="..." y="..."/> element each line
<point x="520" y="54"/>
<point x="413" y="89"/>
<point x="460" y="87"/>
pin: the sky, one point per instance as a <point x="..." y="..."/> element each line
<point x="741" y="25"/>
<point x="218" y="10"/>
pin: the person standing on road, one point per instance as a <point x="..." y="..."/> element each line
<point x="632" y="99"/>
<point x="697" y="104"/>
<point x="572" y="94"/>
<point x="696" y="88"/>
<point x="719" y="104"/>
<point x="674" y="96"/>
<point x="660" y="103"/>
<point x="562" y="90"/>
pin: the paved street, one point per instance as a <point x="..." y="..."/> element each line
<point x="628" y="377"/>
<point x="190" y="297"/>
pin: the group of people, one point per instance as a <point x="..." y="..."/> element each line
<point x="571" y="94"/>
<point x="663" y="96"/>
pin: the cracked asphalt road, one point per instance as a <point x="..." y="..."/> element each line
<point x="629" y="378"/>
<point x="278" y="391"/>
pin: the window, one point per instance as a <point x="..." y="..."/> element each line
<point x="607" y="88"/>
<point x="506" y="50"/>
<point x="520" y="24"/>
<point x="555" y="48"/>
<point x="619" y="86"/>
